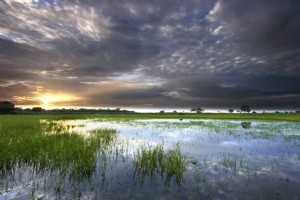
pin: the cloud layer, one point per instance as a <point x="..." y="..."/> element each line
<point x="211" y="53"/>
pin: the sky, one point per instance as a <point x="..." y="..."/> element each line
<point x="150" y="54"/>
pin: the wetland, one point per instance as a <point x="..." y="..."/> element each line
<point x="116" y="158"/>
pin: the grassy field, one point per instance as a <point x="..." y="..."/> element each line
<point x="291" y="117"/>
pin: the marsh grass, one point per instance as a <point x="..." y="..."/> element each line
<point x="295" y="139"/>
<point x="292" y="137"/>
<point x="49" y="146"/>
<point x="155" y="162"/>
<point x="230" y="163"/>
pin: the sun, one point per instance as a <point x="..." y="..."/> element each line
<point x="50" y="100"/>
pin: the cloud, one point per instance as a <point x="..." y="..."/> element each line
<point x="172" y="53"/>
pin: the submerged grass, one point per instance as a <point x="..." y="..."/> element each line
<point x="26" y="141"/>
<point x="153" y="162"/>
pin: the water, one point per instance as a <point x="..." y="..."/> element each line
<point x="224" y="160"/>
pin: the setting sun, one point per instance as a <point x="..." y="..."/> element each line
<point x="50" y="100"/>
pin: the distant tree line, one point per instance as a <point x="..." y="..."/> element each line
<point x="8" y="107"/>
<point x="243" y="108"/>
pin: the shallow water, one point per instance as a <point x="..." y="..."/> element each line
<point x="225" y="160"/>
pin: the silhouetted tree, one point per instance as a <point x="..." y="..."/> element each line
<point x="230" y="110"/>
<point x="37" y="109"/>
<point x="245" y="108"/>
<point x="162" y="112"/>
<point x="193" y="109"/>
<point x="197" y="110"/>
<point x="6" y="106"/>
<point x="18" y="109"/>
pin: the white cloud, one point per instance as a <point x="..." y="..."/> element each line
<point x="214" y="12"/>
<point x="217" y="31"/>
<point x="166" y="30"/>
<point x="174" y="94"/>
<point x="26" y="2"/>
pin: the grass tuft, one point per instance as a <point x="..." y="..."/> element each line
<point x="155" y="162"/>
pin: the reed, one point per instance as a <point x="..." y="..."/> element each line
<point x="155" y="162"/>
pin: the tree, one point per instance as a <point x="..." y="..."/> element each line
<point x="245" y="108"/>
<point x="37" y="109"/>
<point x="197" y="110"/>
<point x="162" y="112"/>
<point x="6" y="106"/>
<point x="230" y="110"/>
<point x="193" y="109"/>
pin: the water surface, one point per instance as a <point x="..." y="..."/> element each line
<point x="223" y="160"/>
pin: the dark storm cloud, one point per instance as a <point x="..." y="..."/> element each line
<point x="166" y="53"/>
<point x="213" y="90"/>
<point x="270" y="24"/>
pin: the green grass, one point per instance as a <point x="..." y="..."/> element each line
<point x="48" y="146"/>
<point x="154" y="162"/>
<point x="292" y="117"/>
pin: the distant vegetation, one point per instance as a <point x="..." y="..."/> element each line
<point x="197" y="110"/>
<point x="37" y="109"/>
<point x="6" y="106"/>
<point x="245" y="108"/>
<point x="196" y="113"/>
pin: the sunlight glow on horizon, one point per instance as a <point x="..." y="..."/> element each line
<point x="49" y="100"/>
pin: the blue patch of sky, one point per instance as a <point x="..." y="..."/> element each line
<point x="42" y="3"/>
<point x="10" y="36"/>
<point x="202" y="14"/>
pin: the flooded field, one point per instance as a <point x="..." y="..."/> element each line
<point x="150" y="159"/>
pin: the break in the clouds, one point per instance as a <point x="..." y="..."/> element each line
<point x="209" y="53"/>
